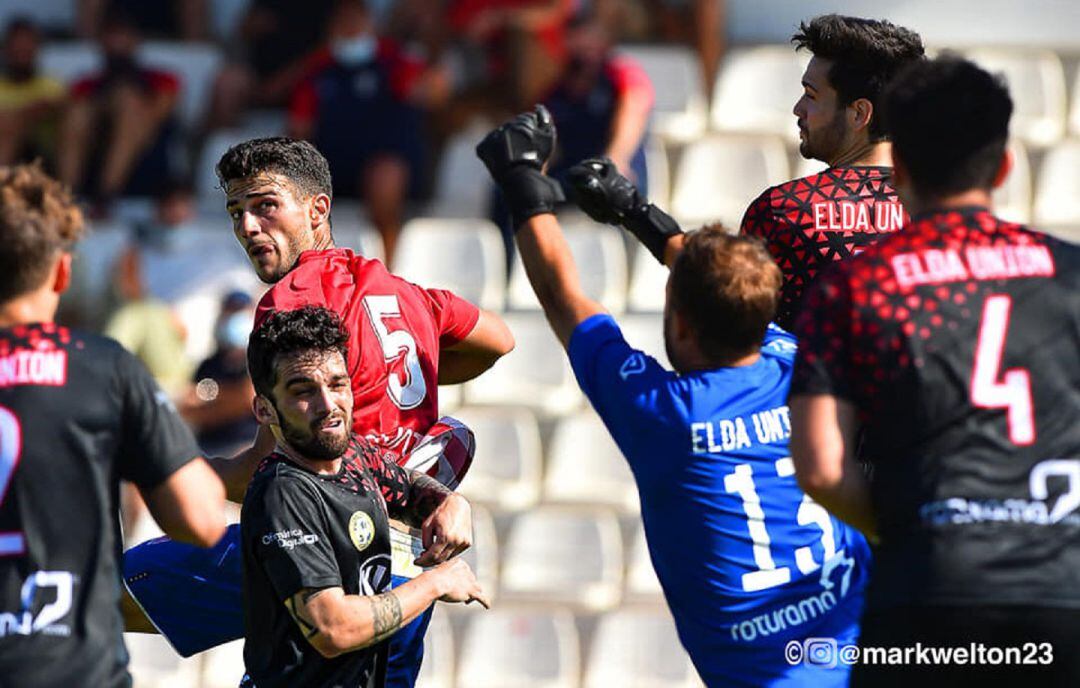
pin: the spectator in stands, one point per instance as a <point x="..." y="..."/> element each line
<point x="362" y="105"/>
<point x="274" y="41"/>
<point x="218" y="405"/>
<point x="601" y="103"/>
<point x="165" y="19"/>
<point x="30" y="103"/>
<point x="119" y="131"/>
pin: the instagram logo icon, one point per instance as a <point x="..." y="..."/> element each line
<point x="819" y="652"/>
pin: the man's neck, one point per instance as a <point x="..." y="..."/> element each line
<point x="979" y="198"/>
<point x="331" y="467"/>
<point x="35" y="307"/>
<point x="323" y="240"/>
<point x="699" y="363"/>
<point x="864" y="154"/>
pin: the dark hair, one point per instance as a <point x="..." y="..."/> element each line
<point x="298" y="161"/>
<point x="38" y="220"/>
<point x="728" y="289"/>
<point x="949" y="121"/>
<point x="21" y="23"/>
<point x="865" y="55"/>
<point x="310" y="328"/>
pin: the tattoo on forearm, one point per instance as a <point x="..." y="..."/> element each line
<point x="425" y="494"/>
<point x="386" y="615"/>
<point x="295" y="605"/>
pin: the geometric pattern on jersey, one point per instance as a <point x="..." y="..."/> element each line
<point x="809" y="223"/>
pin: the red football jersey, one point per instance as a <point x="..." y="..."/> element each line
<point x="397" y="329"/>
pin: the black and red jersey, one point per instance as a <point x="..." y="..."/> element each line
<point x="77" y="413"/>
<point x="958" y="342"/>
<point x="810" y="222"/>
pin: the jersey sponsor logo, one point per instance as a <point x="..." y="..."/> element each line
<point x="851" y="216"/>
<point x="47" y="368"/>
<point x="375" y="574"/>
<point x="361" y="530"/>
<point x="290" y="539"/>
<point x="937" y="266"/>
<point x="34" y="590"/>
<point x="633" y="365"/>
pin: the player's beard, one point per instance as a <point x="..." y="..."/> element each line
<point x="823" y="144"/>
<point x="312" y="444"/>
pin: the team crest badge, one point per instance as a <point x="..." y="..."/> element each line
<point x="361" y="530"/>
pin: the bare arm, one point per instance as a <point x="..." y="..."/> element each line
<point x="236" y="472"/>
<point x="823" y="431"/>
<point x="189" y="504"/>
<point x="335" y="623"/>
<point x="233" y="402"/>
<point x="489" y="341"/>
<point x="554" y="275"/>
<point x="628" y="127"/>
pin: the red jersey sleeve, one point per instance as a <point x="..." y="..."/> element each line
<point x="85" y="87"/>
<point x="304" y="101"/>
<point x="824" y="330"/>
<point x="629" y="77"/>
<point x="162" y="82"/>
<point x="403" y="69"/>
<point x="456" y="316"/>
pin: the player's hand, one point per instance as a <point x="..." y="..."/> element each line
<point x="515" y="154"/>
<point x="457" y="583"/>
<point x="447" y="532"/>
<point x="602" y="192"/>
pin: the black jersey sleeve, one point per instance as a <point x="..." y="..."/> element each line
<point x="154" y="440"/>
<point x="393" y="482"/>
<point x="292" y="542"/>
<point x="823" y="329"/>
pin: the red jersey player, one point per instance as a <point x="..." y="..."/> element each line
<point x="810" y="222"/>
<point x="404" y="341"/>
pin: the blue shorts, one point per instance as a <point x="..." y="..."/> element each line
<point x="194" y="597"/>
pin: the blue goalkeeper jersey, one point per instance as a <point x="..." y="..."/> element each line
<point x="747" y="562"/>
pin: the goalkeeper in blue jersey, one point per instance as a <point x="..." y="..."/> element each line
<point x="763" y="583"/>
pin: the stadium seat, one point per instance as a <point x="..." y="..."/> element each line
<point x="679" y="112"/>
<point x="520" y="648"/>
<point x="92" y="272"/>
<point x="1074" y="108"/>
<point x="196" y="64"/>
<point x="641" y="581"/>
<point x="450" y="398"/>
<point x="466" y="256"/>
<point x="462" y="183"/>
<point x="69" y="60"/>
<point x="638" y="648"/>
<point x="718" y="177"/>
<point x="56" y="16"/>
<point x="564" y="555"/>
<point x="535" y="374"/>
<point x="437" y="670"/>
<point x="154" y="664"/>
<point x="483" y="556"/>
<point x="225" y="17"/>
<point x="1036" y="81"/>
<point x="600" y="254"/>
<point x="1057" y="196"/>
<point x="351" y="231"/>
<point x="506" y="469"/>
<point x="648" y="282"/>
<point x="1012" y="201"/>
<point x="223" y="666"/>
<point x="656" y="163"/>
<point x="585" y="467"/>
<point x="207" y="186"/>
<point x="645" y="332"/>
<point x="756" y="91"/>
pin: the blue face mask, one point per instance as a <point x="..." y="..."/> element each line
<point x="354" y="51"/>
<point x="232" y="332"/>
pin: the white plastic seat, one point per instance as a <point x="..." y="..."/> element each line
<point x="586" y="467"/>
<point x="350" y="231"/>
<point x="154" y="664"/>
<point x="223" y="666"/>
<point x="520" y="648"/>
<point x="641" y="581"/>
<point x="648" y="282"/>
<point x="69" y="60"/>
<point x="1036" y="80"/>
<point x="466" y="256"/>
<point x="506" y="469"/>
<point x="462" y="184"/>
<point x="437" y="669"/>
<point x="535" y="374"/>
<point x="679" y="111"/>
<point x="92" y="271"/>
<point x="564" y="555"/>
<point x="1057" y="198"/>
<point x="450" y="398"/>
<point x="1012" y="201"/>
<point x="645" y="332"/>
<point x="1074" y="108"/>
<point x="54" y="15"/>
<point x="656" y="163"/>
<point x="638" y="648"/>
<point x="483" y="556"/>
<point x="719" y="176"/>
<point x="600" y="255"/>
<point x="756" y="91"/>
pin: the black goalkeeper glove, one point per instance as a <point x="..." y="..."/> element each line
<point x="607" y="196"/>
<point x="515" y="154"/>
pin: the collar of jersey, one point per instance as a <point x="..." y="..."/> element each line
<point x="345" y="459"/>
<point x="313" y="254"/>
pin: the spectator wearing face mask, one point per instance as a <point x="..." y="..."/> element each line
<point x="362" y="105"/>
<point x="218" y="404"/>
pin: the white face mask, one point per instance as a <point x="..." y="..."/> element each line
<point x="232" y="332"/>
<point x="354" y="51"/>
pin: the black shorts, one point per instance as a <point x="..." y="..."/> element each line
<point x="1004" y="646"/>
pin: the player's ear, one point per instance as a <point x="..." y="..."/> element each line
<point x="319" y="210"/>
<point x="265" y="413"/>
<point x="1004" y="168"/>
<point x="862" y="110"/>
<point x="62" y="278"/>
